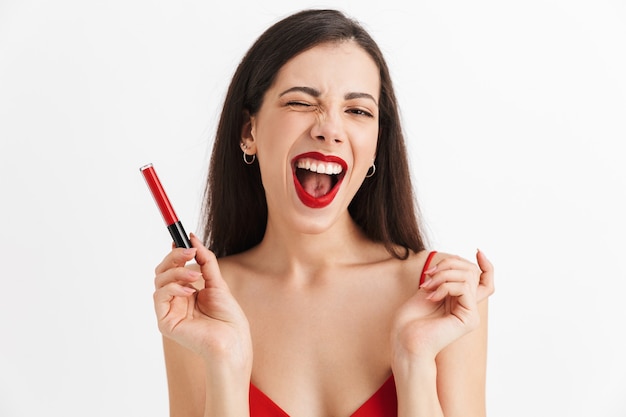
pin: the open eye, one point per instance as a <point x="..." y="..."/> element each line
<point x="360" y="112"/>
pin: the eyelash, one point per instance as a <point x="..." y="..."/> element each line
<point x="358" y="112"/>
<point x="298" y="103"/>
<point x="361" y="112"/>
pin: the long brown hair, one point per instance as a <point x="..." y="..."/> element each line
<point x="235" y="209"/>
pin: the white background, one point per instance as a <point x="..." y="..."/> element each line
<point x="515" y="115"/>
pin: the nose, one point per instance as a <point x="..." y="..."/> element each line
<point x="328" y="128"/>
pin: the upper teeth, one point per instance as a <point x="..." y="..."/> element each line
<point x="330" y="168"/>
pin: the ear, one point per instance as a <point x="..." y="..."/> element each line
<point x="248" y="144"/>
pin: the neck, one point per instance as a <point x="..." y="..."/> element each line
<point x="291" y="253"/>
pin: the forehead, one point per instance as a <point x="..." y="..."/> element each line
<point x="343" y="65"/>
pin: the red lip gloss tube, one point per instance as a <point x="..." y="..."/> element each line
<point x="174" y="225"/>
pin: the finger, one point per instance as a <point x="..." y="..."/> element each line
<point x="460" y="306"/>
<point x="485" y="265"/>
<point x="164" y="297"/>
<point x="451" y="289"/>
<point x="450" y="262"/>
<point x="177" y="257"/>
<point x="438" y="277"/>
<point x="179" y="274"/>
<point x="460" y="302"/>
<point x="208" y="265"/>
<point x="457" y="303"/>
<point x="450" y="275"/>
<point x="486" y="284"/>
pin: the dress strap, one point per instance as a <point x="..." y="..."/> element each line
<point x="426" y="264"/>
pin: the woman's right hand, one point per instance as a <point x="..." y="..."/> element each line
<point x="208" y="321"/>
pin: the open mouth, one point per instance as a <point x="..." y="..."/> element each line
<point x="317" y="178"/>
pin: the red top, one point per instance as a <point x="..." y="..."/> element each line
<point x="383" y="403"/>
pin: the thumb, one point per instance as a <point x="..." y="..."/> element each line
<point x="483" y="263"/>
<point x="486" y="285"/>
<point x="208" y="265"/>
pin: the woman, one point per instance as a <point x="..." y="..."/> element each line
<point x="318" y="297"/>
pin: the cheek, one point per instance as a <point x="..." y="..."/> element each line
<point x="275" y="139"/>
<point x="273" y="132"/>
<point x="272" y="155"/>
<point x="365" y="147"/>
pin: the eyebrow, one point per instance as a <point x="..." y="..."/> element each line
<point x="316" y="93"/>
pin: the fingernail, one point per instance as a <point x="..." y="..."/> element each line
<point x="194" y="274"/>
<point x="426" y="283"/>
<point x="189" y="251"/>
<point x="431" y="270"/>
<point x="189" y="290"/>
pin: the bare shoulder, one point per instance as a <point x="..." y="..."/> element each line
<point x="234" y="262"/>
<point x="236" y="266"/>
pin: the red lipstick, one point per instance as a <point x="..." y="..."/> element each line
<point x="308" y="199"/>
<point x="174" y="226"/>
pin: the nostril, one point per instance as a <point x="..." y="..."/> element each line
<point x="323" y="138"/>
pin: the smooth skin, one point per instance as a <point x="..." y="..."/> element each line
<point x="318" y="316"/>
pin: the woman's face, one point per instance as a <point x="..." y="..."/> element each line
<point x="316" y="132"/>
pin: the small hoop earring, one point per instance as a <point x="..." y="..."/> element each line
<point x="248" y="161"/>
<point x="371" y="171"/>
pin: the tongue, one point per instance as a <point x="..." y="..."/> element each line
<point x="315" y="184"/>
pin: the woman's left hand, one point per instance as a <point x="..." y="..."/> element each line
<point x="443" y="309"/>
